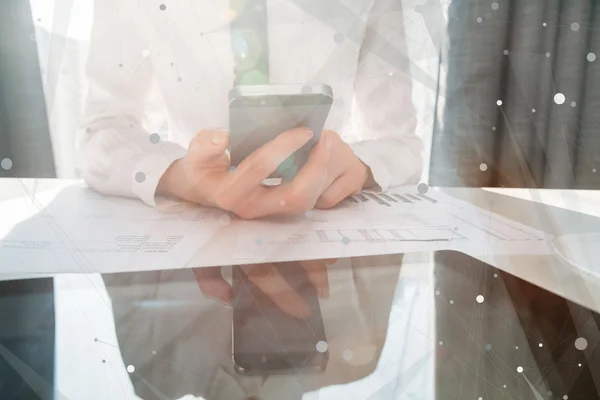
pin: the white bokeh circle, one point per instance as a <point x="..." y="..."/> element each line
<point x="581" y="343"/>
<point x="6" y="164"/>
<point x="322" y="346"/>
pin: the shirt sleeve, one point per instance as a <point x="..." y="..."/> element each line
<point x="120" y="152"/>
<point x="383" y="113"/>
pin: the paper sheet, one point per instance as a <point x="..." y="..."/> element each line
<point x="393" y="222"/>
<point x="77" y="230"/>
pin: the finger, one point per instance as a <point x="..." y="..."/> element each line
<point x="344" y="186"/>
<point x="316" y="271"/>
<point x="208" y="146"/>
<point x="302" y="193"/>
<point x="315" y="176"/>
<point x="213" y="285"/>
<point x="260" y="164"/>
<point x="268" y="280"/>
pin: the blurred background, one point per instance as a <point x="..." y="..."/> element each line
<point x="513" y="105"/>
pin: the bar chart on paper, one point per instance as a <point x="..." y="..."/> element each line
<point x="389" y="199"/>
<point x="378" y="223"/>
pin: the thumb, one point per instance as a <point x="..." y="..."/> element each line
<point x="209" y="145"/>
<point x="213" y="285"/>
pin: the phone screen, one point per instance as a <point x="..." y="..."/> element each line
<point x="256" y="120"/>
<point x="266" y="339"/>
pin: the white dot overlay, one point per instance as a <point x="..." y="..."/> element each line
<point x="322" y="346"/>
<point x="559" y="98"/>
<point x="581" y="343"/>
<point x="520" y="369"/>
<point x="130" y="368"/>
<point x="6" y="164"/>
<point x="591" y="57"/>
<point x="479" y="299"/>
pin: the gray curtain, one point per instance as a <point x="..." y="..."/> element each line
<point x="522" y="53"/>
<point x="24" y="133"/>
<point x="27" y="322"/>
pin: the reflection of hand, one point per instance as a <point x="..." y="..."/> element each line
<point x="332" y="173"/>
<point x="266" y="277"/>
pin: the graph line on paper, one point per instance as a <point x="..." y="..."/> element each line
<point x="388" y="235"/>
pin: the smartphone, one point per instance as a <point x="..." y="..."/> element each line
<point x="268" y="341"/>
<point x="257" y="114"/>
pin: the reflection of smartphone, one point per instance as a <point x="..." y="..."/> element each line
<point x="268" y="341"/>
<point x="257" y="114"/>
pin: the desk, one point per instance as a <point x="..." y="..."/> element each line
<point x="397" y="327"/>
<point x="557" y="212"/>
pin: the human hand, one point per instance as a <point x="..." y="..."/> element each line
<point x="332" y="173"/>
<point x="335" y="172"/>
<point x="266" y="278"/>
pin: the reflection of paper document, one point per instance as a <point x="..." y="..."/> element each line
<point x="77" y="230"/>
<point x="371" y="223"/>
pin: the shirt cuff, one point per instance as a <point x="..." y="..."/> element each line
<point x="148" y="172"/>
<point x="380" y="172"/>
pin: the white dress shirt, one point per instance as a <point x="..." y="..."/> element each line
<point x="150" y="60"/>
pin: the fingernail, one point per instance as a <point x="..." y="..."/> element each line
<point x="219" y="136"/>
<point x="323" y="292"/>
<point x="304" y="310"/>
<point x="303" y="134"/>
<point x="304" y="314"/>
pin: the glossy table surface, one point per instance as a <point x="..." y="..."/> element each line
<point x="414" y="326"/>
